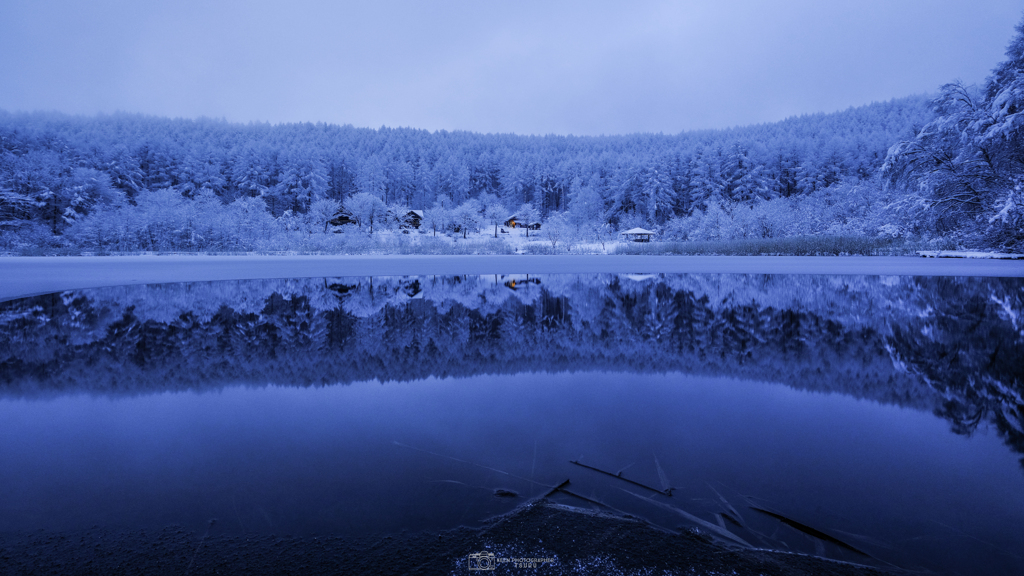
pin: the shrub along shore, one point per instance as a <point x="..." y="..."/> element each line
<point x="397" y="244"/>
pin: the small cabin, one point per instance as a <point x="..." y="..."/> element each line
<point x="412" y="219"/>
<point x="534" y="226"/>
<point x="341" y="218"/>
<point x="638" y="235"/>
<point x="510" y="223"/>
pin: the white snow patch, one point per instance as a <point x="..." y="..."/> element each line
<point x="969" y="254"/>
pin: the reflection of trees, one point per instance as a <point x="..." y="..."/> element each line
<point x="968" y="344"/>
<point x="953" y="345"/>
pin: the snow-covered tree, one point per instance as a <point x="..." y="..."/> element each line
<point x="468" y="216"/>
<point x="528" y="215"/>
<point x="968" y="163"/>
<point x="88" y="189"/>
<point x="494" y="210"/>
<point x="250" y="221"/>
<point x="559" y="228"/>
<point x="657" y="192"/>
<point x="586" y="207"/>
<point x="372" y="177"/>
<point x="251" y="172"/>
<point x="303" y="181"/>
<point x="439" y="216"/>
<point x="367" y="209"/>
<point x="320" y="214"/>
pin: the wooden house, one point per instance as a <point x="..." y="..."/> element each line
<point x="341" y="218"/>
<point x="638" y="235"/>
<point x="412" y="219"/>
<point x="513" y="222"/>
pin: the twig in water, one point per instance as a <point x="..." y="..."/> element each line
<point x="460" y="484"/>
<point x="702" y="523"/>
<point x="667" y="492"/>
<point x="557" y="488"/>
<point x="809" y="531"/>
<point x="561" y="488"/>
<point x="736" y="518"/>
<point x="665" y="486"/>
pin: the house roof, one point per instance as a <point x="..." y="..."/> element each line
<point x="638" y="231"/>
<point x="417" y="212"/>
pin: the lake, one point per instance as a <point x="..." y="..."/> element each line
<point x="872" y="419"/>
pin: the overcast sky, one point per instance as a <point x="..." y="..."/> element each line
<point x="589" y="67"/>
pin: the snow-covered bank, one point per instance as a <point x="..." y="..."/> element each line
<point x="968" y="254"/>
<point x="26" y="276"/>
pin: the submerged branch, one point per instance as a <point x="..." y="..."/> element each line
<point x="666" y="492"/>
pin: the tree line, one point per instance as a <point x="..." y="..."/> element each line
<point x="71" y="177"/>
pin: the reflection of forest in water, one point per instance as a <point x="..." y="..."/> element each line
<point x="953" y="345"/>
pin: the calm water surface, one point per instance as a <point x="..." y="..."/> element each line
<point x="885" y="412"/>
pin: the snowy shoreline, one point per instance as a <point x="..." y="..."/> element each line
<point x="28" y="275"/>
<point x="968" y="254"/>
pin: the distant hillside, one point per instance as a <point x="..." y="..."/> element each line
<point x="57" y="170"/>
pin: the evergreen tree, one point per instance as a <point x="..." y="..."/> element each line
<point x="657" y="193"/>
<point x="968" y="163"/>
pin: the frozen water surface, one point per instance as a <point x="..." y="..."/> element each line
<point x="25" y="276"/>
<point x="875" y="419"/>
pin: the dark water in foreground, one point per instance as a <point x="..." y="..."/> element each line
<point x="876" y="414"/>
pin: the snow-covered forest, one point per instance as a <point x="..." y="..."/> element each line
<point x="945" y="174"/>
<point x="128" y="183"/>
